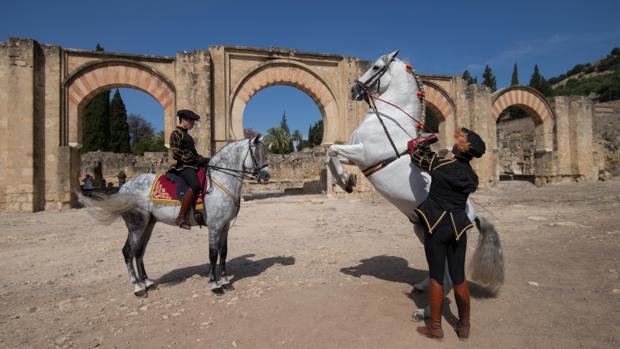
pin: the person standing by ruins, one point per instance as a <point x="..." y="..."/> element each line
<point x="187" y="162"/>
<point x="444" y="216"/>
<point x="122" y="177"/>
<point x="88" y="185"/>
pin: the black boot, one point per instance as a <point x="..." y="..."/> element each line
<point x="433" y="330"/>
<point x="461" y="296"/>
<point x="181" y="221"/>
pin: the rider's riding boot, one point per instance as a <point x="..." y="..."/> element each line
<point x="181" y="221"/>
<point x="433" y="330"/>
<point x="461" y="296"/>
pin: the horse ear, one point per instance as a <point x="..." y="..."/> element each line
<point x="258" y="138"/>
<point x="393" y="55"/>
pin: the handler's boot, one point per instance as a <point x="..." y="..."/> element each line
<point x="461" y="296"/>
<point x="433" y="330"/>
<point x="181" y="221"/>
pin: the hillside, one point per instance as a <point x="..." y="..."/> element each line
<point x="601" y="77"/>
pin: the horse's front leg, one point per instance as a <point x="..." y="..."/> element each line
<point x="214" y="237"/>
<point x="223" y="249"/>
<point x="353" y="153"/>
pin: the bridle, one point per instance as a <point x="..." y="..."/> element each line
<point x="244" y="173"/>
<point x="370" y="98"/>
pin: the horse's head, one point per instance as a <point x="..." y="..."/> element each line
<point x="377" y="79"/>
<point x="256" y="162"/>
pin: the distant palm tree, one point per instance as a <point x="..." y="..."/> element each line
<point x="277" y="140"/>
<point x="297" y="138"/>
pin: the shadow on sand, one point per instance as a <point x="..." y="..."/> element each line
<point x="240" y="267"/>
<point x="396" y="269"/>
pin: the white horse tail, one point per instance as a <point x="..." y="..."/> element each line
<point x="108" y="208"/>
<point x="487" y="264"/>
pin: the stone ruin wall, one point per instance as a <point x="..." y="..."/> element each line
<point x="516" y="146"/>
<point x="301" y="172"/>
<point x="606" y="128"/>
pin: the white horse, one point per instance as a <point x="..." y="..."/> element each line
<point x="378" y="148"/>
<point x="229" y="167"/>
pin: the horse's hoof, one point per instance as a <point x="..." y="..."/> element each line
<point x="150" y="284"/>
<point x="417" y="290"/>
<point x="348" y="189"/>
<point x="352" y="181"/>
<point x="139" y="291"/>
<point x="228" y="287"/>
<point x="218" y="291"/>
<point x="418" y="315"/>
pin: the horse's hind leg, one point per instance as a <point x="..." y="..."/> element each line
<point x="136" y="223"/>
<point x="146" y="236"/>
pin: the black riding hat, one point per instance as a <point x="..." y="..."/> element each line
<point x="188" y="114"/>
<point x="476" y="144"/>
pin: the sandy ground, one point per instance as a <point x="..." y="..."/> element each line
<point x="312" y="272"/>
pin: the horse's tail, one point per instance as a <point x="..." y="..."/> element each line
<point x="108" y="208"/>
<point x="487" y="264"/>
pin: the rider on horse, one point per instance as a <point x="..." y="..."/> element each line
<point x="444" y="215"/>
<point x="188" y="162"/>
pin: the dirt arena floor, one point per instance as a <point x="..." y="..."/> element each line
<point x="312" y="272"/>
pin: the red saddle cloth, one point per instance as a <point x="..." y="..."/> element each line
<point x="164" y="191"/>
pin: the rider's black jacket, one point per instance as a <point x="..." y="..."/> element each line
<point x="184" y="150"/>
<point x="452" y="182"/>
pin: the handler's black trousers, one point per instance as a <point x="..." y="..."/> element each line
<point x="442" y="244"/>
<point x="190" y="176"/>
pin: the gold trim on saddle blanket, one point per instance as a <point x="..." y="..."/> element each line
<point x="159" y="195"/>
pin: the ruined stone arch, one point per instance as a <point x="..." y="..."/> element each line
<point x="91" y="78"/>
<point x="284" y="72"/>
<point x="537" y="107"/>
<point x="444" y="107"/>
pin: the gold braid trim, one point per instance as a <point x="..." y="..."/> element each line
<point x="232" y="196"/>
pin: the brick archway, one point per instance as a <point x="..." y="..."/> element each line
<point x="443" y="106"/>
<point x="89" y="80"/>
<point x="284" y="73"/>
<point x="537" y="107"/>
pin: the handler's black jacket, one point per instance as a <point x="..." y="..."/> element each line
<point x="184" y="150"/>
<point x="452" y="182"/>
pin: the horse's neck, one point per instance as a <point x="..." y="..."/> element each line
<point x="402" y="93"/>
<point x="230" y="157"/>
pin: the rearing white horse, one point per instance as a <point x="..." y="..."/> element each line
<point x="378" y="147"/>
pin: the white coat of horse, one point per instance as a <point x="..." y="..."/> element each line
<point x="400" y="182"/>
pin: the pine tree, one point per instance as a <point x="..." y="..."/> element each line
<point x="95" y="120"/>
<point x="315" y="136"/>
<point x="284" y="124"/>
<point x="489" y="79"/>
<point x="119" y="129"/>
<point x="538" y="82"/>
<point x="515" y="77"/>
<point x="469" y="79"/>
<point x="96" y="129"/>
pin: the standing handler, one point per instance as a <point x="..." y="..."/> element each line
<point x="188" y="162"/>
<point x="444" y="216"/>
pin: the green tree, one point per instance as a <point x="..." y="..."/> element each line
<point x="538" y="82"/>
<point x="489" y="79"/>
<point x="149" y="144"/>
<point x="96" y="121"/>
<point x="315" y="135"/>
<point x="515" y="77"/>
<point x="469" y="79"/>
<point x="119" y="129"/>
<point x="277" y="141"/>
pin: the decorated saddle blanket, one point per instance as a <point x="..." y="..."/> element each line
<point x="169" y="188"/>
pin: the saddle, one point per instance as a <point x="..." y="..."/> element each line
<point x="170" y="188"/>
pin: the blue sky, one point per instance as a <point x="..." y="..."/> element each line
<point x="438" y="37"/>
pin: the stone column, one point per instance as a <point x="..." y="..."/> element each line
<point x="480" y="120"/>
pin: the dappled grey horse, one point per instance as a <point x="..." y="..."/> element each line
<point x="228" y="168"/>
